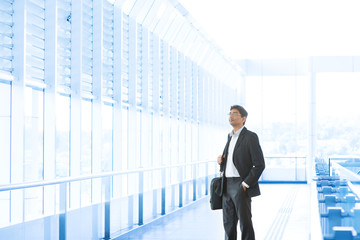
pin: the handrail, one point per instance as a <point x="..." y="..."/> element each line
<point x="15" y="186"/>
<point x="344" y="172"/>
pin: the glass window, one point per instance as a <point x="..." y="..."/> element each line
<point x="277" y="108"/>
<point x="86" y="151"/>
<point x="34" y="132"/>
<point x="62" y="135"/>
<point x="34" y="143"/>
<point x="107" y="137"/>
<point x="139" y="135"/>
<point x="279" y="116"/>
<point x="86" y="141"/>
<point x="124" y="148"/>
<point x="5" y="121"/>
<point x="174" y="148"/>
<point x="5" y="99"/>
<point x="188" y="143"/>
<point x="337" y="114"/>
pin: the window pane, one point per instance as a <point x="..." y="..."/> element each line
<point x="107" y="136"/>
<point x="5" y="119"/>
<point x="86" y="124"/>
<point x="86" y="151"/>
<point x="62" y="135"/>
<point x="34" y="131"/>
<point x="337" y="114"/>
<point x="277" y="108"/>
<point x="124" y="148"/>
<point x="5" y="97"/>
<point x="33" y="165"/>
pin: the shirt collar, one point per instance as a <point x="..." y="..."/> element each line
<point x="237" y="133"/>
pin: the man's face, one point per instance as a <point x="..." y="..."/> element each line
<point x="235" y="118"/>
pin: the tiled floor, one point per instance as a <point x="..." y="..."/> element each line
<point x="281" y="212"/>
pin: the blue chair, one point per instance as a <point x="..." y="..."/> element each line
<point x="356" y="219"/>
<point x="332" y="218"/>
<point x="344" y="233"/>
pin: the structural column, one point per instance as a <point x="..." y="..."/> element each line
<point x="312" y="120"/>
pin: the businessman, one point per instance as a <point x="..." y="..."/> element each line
<point x="242" y="163"/>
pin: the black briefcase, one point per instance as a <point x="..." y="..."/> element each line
<point x="216" y="191"/>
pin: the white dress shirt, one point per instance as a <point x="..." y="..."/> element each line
<point x="230" y="170"/>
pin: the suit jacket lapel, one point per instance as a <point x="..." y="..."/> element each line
<point x="240" y="138"/>
<point x="225" y="153"/>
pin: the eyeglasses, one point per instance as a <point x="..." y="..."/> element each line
<point x="234" y="114"/>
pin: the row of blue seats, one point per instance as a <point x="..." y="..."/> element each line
<point x="338" y="206"/>
<point x="322" y="169"/>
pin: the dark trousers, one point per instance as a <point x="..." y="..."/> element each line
<point x="237" y="206"/>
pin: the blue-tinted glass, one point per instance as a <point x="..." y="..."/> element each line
<point x="278" y="115"/>
<point x="34" y="134"/>
<point x="86" y="134"/>
<point x="34" y="143"/>
<point x="107" y="137"/>
<point x="62" y="136"/>
<point x="337" y="114"/>
<point x="86" y="151"/>
<point x="5" y="151"/>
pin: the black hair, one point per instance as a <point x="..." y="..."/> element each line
<point x="241" y="110"/>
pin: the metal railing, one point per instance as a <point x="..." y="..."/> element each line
<point x="194" y="175"/>
<point x="347" y="167"/>
<point x="284" y="169"/>
<point x="107" y="178"/>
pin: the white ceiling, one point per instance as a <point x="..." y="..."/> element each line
<point x="280" y="28"/>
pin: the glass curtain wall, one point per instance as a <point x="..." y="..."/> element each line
<point x="277" y="107"/>
<point x="337" y="117"/>
<point x="5" y="126"/>
<point x="106" y="87"/>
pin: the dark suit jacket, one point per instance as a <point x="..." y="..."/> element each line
<point x="248" y="160"/>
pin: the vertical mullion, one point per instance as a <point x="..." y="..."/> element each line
<point x="139" y="65"/>
<point x="182" y="98"/>
<point x="194" y="89"/>
<point x="125" y="58"/>
<point x="145" y="120"/>
<point x="98" y="58"/>
<point x="156" y="116"/>
<point x="132" y="94"/>
<point x="161" y="77"/>
<point x="156" y="74"/>
<point x="117" y="89"/>
<point x="188" y="95"/>
<point x="97" y="101"/>
<point x="151" y="71"/>
<point x="49" y="103"/>
<point x="174" y="83"/>
<point x="200" y="95"/>
<point x="75" y="100"/>
<point x="17" y="110"/>
<point x="166" y="79"/>
<point x="145" y="70"/>
<point x="132" y="119"/>
<point x="213" y="101"/>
